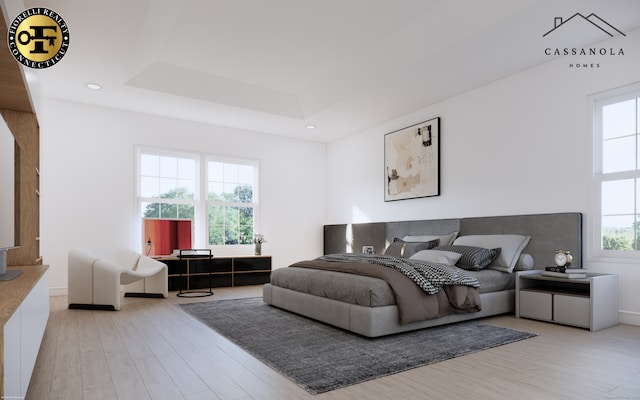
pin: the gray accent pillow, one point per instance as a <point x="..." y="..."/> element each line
<point x="473" y="258"/>
<point x="437" y="256"/>
<point x="444" y="239"/>
<point x="511" y="246"/>
<point x="400" y="248"/>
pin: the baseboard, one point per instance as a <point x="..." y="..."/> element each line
<point x="101" y="307"/>
<point x="58" y="291"/>
<point x="629" y="317"/>
<point x="147" y="295"/>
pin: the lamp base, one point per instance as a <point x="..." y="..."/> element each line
<point x="10" y="275"/>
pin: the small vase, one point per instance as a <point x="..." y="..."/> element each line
<point x="257" y="249"/>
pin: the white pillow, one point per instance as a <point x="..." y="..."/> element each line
<point x="444" y="239"/>
<point x="510" y="248"/>
<point x="437" y="256"/>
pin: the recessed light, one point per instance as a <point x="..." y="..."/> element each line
<point x="310" y="127"/>
<point x="94" y="86"/>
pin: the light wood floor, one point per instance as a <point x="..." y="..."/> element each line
<point x="152" y="350"/>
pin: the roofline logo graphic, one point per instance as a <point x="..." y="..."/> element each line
<point x="38" y="38"/>
<point x="593" y="19"/>
<point x="593" y="28"/>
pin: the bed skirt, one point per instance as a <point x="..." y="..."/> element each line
<point x="375" y="321"/>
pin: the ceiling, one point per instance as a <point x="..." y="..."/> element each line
<point x="276" y="66"/>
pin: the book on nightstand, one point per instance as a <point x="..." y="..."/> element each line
<point x="569" y="275"/>
<point x="566" y="270"/>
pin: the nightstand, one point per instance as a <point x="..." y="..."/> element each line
<point x="590" y="302"/>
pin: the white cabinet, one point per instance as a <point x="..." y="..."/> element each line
<point x="23" y="333"/>
<point x="590" y="302"/>
<point x="12" y="356"/>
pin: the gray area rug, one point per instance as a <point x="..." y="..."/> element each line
<point x="320" y="358"/>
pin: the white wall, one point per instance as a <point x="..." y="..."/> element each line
<point x="517" y="146"/>
<point x="88" y="180"/>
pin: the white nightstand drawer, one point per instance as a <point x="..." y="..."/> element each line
<point x="535" y="304"/>
<point x="571" y="310"/>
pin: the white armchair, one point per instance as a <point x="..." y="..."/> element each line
<point x="95" y="276"/>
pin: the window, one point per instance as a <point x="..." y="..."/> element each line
<point x="168" y="185"/>
<point x="230" y="202"/>
<point x="218" y="194"/>
<point x="617" y="174"/>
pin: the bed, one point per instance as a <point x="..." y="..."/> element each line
<point x="361" y="293"/>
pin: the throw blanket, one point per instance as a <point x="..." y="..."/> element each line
<point x="430" y="277"/>
<point x="414" y="304"/>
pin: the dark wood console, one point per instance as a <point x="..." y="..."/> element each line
<point x="204" y="273"/>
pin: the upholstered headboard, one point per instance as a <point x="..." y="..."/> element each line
<point x="549" y="232"/>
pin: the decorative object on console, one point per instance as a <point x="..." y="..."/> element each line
<point x="412" y="161"/>
<point x="258" y="239"/>
<point x="148" y="248"/>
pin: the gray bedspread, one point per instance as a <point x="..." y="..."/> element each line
<point x="414" y="304"/>
<point x="364" y="290"/>
<point x="349" y="288"/>
<point x="430" y="277"/>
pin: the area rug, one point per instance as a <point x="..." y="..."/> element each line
<point x="320" y="358"/>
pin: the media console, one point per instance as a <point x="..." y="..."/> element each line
<point x="193" y="273"/>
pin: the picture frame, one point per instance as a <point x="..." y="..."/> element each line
<point x="412" y="161"/>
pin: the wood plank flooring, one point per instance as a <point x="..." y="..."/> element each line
<point x="152" y="350"/>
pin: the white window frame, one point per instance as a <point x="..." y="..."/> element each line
<point x="597" y="102"/>
<point x="200" y="201"/>
<point x="224" y="249"/>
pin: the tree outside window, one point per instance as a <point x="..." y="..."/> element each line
<point x="230" y="203"/>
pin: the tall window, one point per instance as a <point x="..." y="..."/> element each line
<point x="617" y="173"/>
<point x="218" y="194"/>
<point x="231" y="187"/>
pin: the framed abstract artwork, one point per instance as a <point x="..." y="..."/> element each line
<point x="412" y="161"/>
